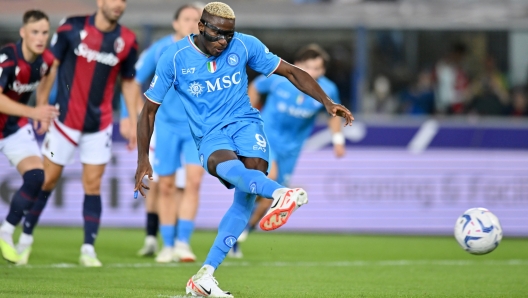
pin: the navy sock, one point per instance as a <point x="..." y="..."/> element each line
<point x="231" y="226"/>
<point x="32" y="217"/>
<point x="26" y="195"/>
<point x="247" y="180"/>
<point x="92" y="215"/>
<point x="152" y="224"/>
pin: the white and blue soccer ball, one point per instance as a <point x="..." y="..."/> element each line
<point x="478" y="231"/>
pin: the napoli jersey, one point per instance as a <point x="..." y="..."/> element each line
<point x="18" y="79"/>
<point x="288" y="113"/>
<point x="90" y="60"/>
<point x="213" y="90"/>
<point x="145" y="69"/>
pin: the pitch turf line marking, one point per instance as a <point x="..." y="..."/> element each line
<point x="514" y="262"/>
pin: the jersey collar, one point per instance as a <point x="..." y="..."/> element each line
<point x="191" y="41"/>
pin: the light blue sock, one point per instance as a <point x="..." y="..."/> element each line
<point x="167" y="235"/>
<point x="247" y="180"/>
<point x="231" y="226"/>
<point x="185" y="229"/>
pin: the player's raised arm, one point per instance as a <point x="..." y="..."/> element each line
<point x="304" y="82"/>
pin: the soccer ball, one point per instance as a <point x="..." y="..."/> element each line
<point x="478" y="231"/>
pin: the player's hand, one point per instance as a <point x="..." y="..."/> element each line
<point x="339" y="150"/>
<point x="44" y="113"/>
<point x="144" y="169"/>
<point x="124" y="127"/>
<point x="132" y="138"/>
<point x="41" y="127"/>
<point x="339" y="110"/>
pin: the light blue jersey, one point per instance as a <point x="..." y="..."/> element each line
<point x="288" y="113"/>
<point x="213" y="89"/>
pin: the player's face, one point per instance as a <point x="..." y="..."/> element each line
<point x="187" y="22"/>
<point x="35" y="36"/>
<point x="314" y="67"/>
<point x="112" y="9"/>
<point x="217" y="34"/>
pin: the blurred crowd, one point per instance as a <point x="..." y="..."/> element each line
<point x="449" y="88"/>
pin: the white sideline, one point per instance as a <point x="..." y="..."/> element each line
<point x="513" y="262"/>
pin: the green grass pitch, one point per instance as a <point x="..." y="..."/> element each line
<point x="274" y="265"/>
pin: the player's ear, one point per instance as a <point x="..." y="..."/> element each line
<point x="22" y="32"/>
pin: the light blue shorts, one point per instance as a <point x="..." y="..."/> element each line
<point x="174" y="143"/>
<point x="246" y="138"/>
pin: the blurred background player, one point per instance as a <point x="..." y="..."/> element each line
<point x="23" y="65"/>
<point x="172" y="128"/>
<point x="90" y="52"/>
<point x="227" y="130"/>
<point x="290" y="121"/>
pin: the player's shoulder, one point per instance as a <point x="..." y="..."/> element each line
<point x="8" y="52"/>
<point x="48" y="57"/>
<point x="74" y="20"/>
<point x="127" y="34"/>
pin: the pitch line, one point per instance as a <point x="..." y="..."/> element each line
<point x="393" y="263"/>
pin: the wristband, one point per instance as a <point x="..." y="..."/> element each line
<point x="338" y="138"/>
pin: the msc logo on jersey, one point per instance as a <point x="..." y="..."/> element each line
<point x="232" y="59"/>
<point x="195" y="88"/>
<point x="225" y="83"/>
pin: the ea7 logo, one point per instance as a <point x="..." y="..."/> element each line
<point x="227" y="82"/>
<point x="261" y="143"/>
<point x="188" y="70"/>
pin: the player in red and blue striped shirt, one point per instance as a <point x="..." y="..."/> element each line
<point x="23" y="65"/>
<point x="90" y="53"/>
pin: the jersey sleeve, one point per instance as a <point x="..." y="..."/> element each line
<point x="260" y="59"/>
<point x="263" y="84"/>
<point x="7" y="68"/>
<point x="59" y="41"/>
<point x="146" y="65"/>
<point x="128" y="69"/>
<point x="48" y="59"/>
<point x="123" y="113"/>
<point x="163" y="79"/>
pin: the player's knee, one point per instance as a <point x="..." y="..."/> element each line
<point x="50" y="181"/>
<point x="92" y="187"/>
<point x="166" y="186"/>
<point x="256" y="164"/>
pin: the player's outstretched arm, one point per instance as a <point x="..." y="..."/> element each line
<point x="145" y="127"/>
<point x="304" y="82"/>
<point x="13" y="108"/>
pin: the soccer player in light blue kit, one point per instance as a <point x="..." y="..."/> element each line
<point x="209" y="73"/>
<point x="290" y="118"/>
<point x="172" y="129"/>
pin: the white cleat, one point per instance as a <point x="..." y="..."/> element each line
<point x="89" y="257"/>
<point x="204" y="284"/>
<point x="235" y="252"/>
<point x="183" y="253"/>
<point x="285" y="202"/>
<point x="149" y="248"/>
<point x="243" y="237"/>
<point x="166" y="255"/>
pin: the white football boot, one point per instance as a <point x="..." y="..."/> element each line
<point x="88" y="256"/>
<point x="235" y="252"/>
<point x="183" y="253"/>
<point x="149" y="248"/>
<point x="166" y="255"/>
<point x="24" y="248"/>
<point x="285" y="202"/>
<point x="204" y="284"/>
<point x="243" y="237"/>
